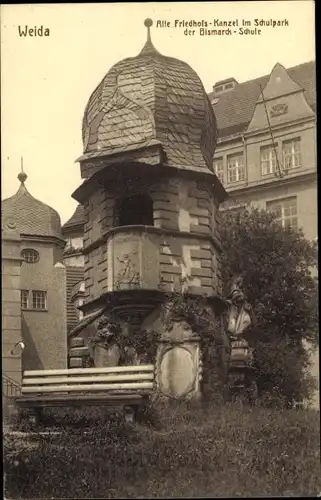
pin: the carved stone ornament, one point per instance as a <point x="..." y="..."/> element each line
<point x="278" y="110"/>
<point x="10" y="223"/>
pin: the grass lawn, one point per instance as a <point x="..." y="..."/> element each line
<point x="222" y="451"/>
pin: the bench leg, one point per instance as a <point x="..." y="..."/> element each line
<point x="130" y="413"/>
<point x="35" y="416"/>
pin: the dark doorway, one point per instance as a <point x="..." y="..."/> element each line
<point x="136" y="210"/>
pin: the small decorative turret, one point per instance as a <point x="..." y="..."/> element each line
<point x="31" y="215"/>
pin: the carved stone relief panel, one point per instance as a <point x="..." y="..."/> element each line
<point x="133" y="261"/>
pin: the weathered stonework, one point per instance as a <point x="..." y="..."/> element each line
<point x="11" y="304"/>
<point x="184" y="208"/>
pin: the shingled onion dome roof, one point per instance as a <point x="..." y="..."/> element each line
<point x="29" y="216"/>
<point x="151" y="99"/>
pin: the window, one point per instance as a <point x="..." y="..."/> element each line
<point x="24" y="299"/>
<point x="39" y="300"/>
<point x="136" y="210"/>
<point x="235" y="168"/>
<point x="75" y="243"/>
<point x="268" y="160"/>
<point x="219" y="169"/>
<point x="29" y="255"/>
<point x="291" y="154"/>
<point x="285" y="211"/>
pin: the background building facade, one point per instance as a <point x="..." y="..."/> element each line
<point x="266" y="152"/>
<point x="39" y="278"/>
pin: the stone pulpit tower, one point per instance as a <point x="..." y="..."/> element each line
<point x="151" y="204"/>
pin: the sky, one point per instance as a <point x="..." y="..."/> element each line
<point x="47" y="81"/>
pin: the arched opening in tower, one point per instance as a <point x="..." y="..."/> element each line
<point x="136" y="210"/>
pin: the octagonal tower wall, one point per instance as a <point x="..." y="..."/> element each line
<point x="182" y="247"/>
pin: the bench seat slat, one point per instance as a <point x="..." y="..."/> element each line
<point x="79" y="400"/>
<point x="87" y="387"/>
<point x="89" y="371"/>
<point x="88" y="379"/>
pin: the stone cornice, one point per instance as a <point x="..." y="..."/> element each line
<point x="254" y="132"/>
<point x="273" y="182"/>
<point x="143" y="296"/>
<point x="279" y="126"/>
<point x="126" y="170"/>
<point x="155" y="230"/>
<point x="43" y="239"/>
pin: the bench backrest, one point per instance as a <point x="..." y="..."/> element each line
<point x="138" y="378"/>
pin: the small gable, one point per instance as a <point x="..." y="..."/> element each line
<point x="279" y="84"/>
<point x="284" y="101"/>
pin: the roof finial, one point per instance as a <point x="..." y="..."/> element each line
<point x="148" y="23"/>
<point x="148" y="47"/>
<point x="22" y="176"/>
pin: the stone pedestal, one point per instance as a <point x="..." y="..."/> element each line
<point x="241" y="371"/>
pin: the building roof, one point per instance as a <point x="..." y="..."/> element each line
<point x="31" y="216"/>
<point x="234" y="109"/>
<point x="76" y="220"/>
<point x="74" y="276"/>
<point x="152" y="97"/>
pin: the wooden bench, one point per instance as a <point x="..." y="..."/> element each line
<point x="127" y="386"/>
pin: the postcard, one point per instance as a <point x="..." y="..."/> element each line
<point x="159" y="250"/>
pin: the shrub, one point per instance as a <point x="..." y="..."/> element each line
<point x="276" y="265"/>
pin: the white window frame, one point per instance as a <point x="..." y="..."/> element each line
<point x="284" y="204"/>
<point x="30" y="251"/>
<point x="235" y="165"/>
<point x="24" y="294"/>
<point x="219" y="172"/>
<point x="269" y="162"/>
<point x="41" y="300"/>
<point x="292" y="157"/>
